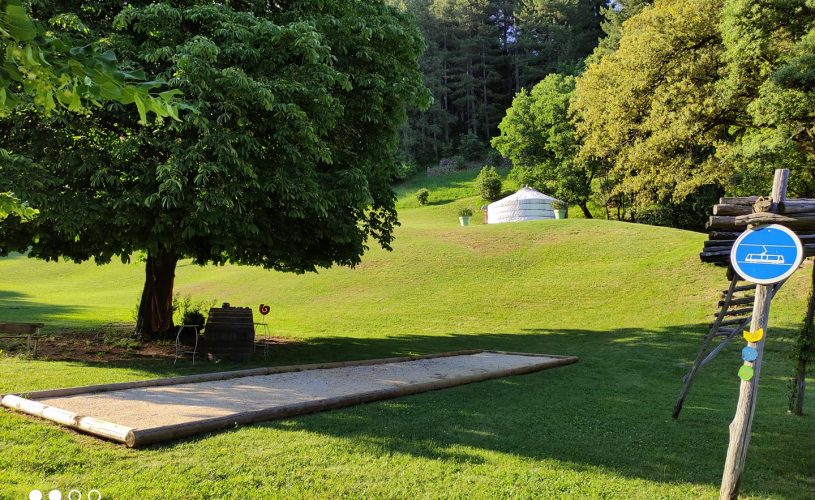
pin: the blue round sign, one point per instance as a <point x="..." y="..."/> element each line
<point x="767" y="254"/>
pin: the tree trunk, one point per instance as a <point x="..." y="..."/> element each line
<point x="515" y="59"/>
<point x="155" y="317"/>
<point x="800" y="387"/>
<point x="484" y="90"/>
<point x="804" y="353"/>
<point x="585" y="208"/>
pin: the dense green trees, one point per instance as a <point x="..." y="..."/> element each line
<point x="768" y="52"/>
<point x="480" y="53"/>
<point x="538" y="137"/>
<point x="701" y="97"/>
<point x="650" y="108"/>
<point x="283" y="164"/>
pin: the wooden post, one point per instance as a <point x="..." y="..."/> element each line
<point x="748" y="391"/>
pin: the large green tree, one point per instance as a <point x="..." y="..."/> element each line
<point x="769" y="75"/>
<point x="44" y="68"/>
<point x="651" y="109"/>
<point x="285" y="164"/>
<point x="538" y="137"/>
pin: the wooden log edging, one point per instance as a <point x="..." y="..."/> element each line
<point x="134" y="438"/>
<point x="91" y="425"/>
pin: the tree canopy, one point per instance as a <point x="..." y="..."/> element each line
<point x="700" y="94"/>
<point x="537" y="136"/>
<point x="58" y="66"/>
<point x="45" y="70"/>
<point x="285" y="164"/>
<point x="769" y="75"/>
<point x="650" y="109"/>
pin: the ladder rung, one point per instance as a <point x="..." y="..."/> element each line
<point x="743" y="288"/>
<point x="738" y="302"/>
<point x="724" y="332"/>
<point x="738" y="312"/>
<point x="734" y="321"/>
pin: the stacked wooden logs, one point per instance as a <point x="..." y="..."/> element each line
<point x="733" y="215"/>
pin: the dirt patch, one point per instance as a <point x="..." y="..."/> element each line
<point x="107" y="346"/>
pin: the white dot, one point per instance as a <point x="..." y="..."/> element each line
<point x="35" y="495"/>
<point x="54" y="495"/>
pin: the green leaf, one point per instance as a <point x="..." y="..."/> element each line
<point x="17" y="22"/>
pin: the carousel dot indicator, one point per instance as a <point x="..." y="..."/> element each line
<point x="746" y="373"/>
<point x="754" y="336"/>
<point x="749" y="353"/>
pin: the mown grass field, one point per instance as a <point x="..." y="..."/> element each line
<point x="630" y="301"/>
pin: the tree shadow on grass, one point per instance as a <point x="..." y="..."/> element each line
<point x="611" y="410"/>
<point x="18" y="307"/>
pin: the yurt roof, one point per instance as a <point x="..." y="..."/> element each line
<point x="525" y="193"/>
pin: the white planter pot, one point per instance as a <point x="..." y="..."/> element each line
<point x="465" y="221"/>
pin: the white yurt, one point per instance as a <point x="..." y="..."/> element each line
<point x="526" y="204"/>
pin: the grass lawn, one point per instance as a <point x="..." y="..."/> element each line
<point x="630" y="301"/>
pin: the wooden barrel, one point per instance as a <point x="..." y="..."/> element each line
<point x="230" y="333"/>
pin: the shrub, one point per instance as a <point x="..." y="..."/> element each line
<point x="470" y="146"/>
<point x="489" y="183"/>
<point x="458" y="162"/>
<point x="465" y="212"/>
<point x="422" y="195"/>
<point x="189" y="312"/>
<point x="405" y="169"/>
<point x="559" y="205"/>
<point x="494" y="159"/>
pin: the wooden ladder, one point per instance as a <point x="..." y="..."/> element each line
<point x="734" y="315"/>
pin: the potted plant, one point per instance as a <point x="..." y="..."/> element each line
<point x="559" y="207"/>
<point x="464" y="216"/>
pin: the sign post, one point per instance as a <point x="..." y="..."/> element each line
<point x="764" y="255"/>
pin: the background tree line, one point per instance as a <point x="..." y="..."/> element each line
<point x="641" y="111"/>
<point x="479" y="54"/>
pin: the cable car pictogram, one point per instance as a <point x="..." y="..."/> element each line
<point x="765" y="258"/>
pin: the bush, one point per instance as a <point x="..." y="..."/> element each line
<point x="494" y="159"/>
<point x="458" y="162"/>
<point x="189" y="312"/>
<point x="559" y="205"/>
<point x="470" y="146"/>
<point x="489" y="183"/>
<point x="422" y="195"/>
<point x="465" y="212"/>
<point x="405" y="169"/>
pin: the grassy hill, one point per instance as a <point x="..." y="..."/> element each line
<point x="631" y="301"/>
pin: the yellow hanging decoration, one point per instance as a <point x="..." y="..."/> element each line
<point x="754" y="336"/>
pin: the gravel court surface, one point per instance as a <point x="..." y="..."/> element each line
<point x="150" y="407"/>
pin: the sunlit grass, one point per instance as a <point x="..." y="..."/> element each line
<point x="631" y="301"/>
